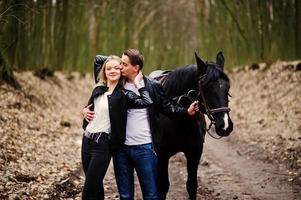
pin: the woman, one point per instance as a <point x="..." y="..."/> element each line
<point x="105" y="123"/>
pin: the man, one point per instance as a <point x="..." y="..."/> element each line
<point x="142" y="132"/>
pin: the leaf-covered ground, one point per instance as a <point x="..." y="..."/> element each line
<point x="266" y="107"/>
<point x="40" y="134"/>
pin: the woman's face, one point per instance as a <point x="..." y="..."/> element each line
<point x="112" y="70"/>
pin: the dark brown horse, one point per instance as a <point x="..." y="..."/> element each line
<point x="207" y="83"/>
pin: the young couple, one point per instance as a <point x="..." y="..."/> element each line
<point x="121" y="120"/>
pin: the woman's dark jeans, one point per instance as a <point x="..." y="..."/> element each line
<point x="95" y="160"/>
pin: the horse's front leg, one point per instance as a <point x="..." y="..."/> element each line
<point x="163" y="181"/>
<point x="193" y="159"/>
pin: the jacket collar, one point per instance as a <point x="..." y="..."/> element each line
<point x="99" y="90"/>
<point x="146" y="81"/>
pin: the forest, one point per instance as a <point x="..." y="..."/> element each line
<point x="66" y="35"/>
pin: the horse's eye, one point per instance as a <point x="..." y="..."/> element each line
<point x="229" y="95"/>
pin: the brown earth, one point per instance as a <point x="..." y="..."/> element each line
<point x="41" y="136"/>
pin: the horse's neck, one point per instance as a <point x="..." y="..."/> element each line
<point x="181" y="81"/>
<point x="174" y="90"/>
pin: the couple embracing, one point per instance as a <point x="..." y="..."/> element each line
<point x="121" y="121"/>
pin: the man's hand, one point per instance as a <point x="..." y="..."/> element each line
<point x="88" y="114"/>
<point x="193" y="108"/>
<point x="138" y="79"/>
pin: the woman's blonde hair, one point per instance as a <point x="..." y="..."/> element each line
<point x="102" y="75"/>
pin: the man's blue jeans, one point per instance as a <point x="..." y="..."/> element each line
<point x="142" y="158"/>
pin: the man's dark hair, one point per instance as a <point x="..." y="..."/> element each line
<point x="135" y="56"/>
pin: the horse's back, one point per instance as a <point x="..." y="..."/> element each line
<point x="156" y="73"/>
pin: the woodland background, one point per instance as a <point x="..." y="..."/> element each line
<point x="67" y="34"/>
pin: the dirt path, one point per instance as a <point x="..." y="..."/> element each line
<point x="234" y="175"/>
<point x="225" y="172"/>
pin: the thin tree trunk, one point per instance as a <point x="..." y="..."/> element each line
<point x="6" y="74"/>
<point x="90" y="8"/>
<point x="298" y="28"/>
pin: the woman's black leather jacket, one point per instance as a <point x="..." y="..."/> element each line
<point x="119" y="101"/>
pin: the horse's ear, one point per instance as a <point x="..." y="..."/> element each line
<point x="202" y="67"/>
<point x="220" y="59"/>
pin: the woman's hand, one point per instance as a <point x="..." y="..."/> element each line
<point x="88" y="114"/>
<point x="138" y="79"/>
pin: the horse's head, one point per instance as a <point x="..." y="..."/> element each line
<point x="213" y="96"/>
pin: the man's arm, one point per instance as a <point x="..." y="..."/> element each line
<point x="168" y="109"/>
<point x="88" y="114"/>
<point x="136" y="101"/>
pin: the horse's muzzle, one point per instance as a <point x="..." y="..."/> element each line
<point x="224" y="127"/>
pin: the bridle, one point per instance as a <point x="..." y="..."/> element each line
<point x="200" y="95"/>
<point x="208" y="111"/>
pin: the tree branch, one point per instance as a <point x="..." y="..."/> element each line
<point x="235" y="21"/>
<point x="10" y="7"/>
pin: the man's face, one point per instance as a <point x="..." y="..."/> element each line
<point x="127" y="69"/>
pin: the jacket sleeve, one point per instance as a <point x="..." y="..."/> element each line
<point x="136" y="101"/>
<point x="165" y="105"/>
<point x="98" y="62"/>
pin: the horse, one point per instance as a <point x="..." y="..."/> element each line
<point x="209" y="85"/>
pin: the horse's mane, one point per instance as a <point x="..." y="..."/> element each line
<point x="183" y="79"/>
<point x="213" y="73"/>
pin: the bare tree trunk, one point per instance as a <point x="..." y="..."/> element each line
<point x="298" y="28"/>
<point x="61" y="32"/>
<point x="92" y="27"/>
<point x="6" y="74"/>
<point x="261" y="22"/>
